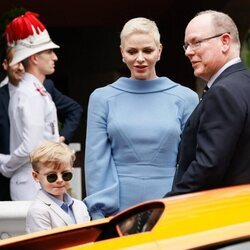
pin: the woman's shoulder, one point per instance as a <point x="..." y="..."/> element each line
<point x="182" y="91"/>
<point x="105" y="92"/>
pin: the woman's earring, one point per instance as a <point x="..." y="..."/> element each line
<point x="123" y="60"/>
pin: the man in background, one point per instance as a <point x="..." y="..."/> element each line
<point x="69" y="111"/>
<point x="15" y="74"/>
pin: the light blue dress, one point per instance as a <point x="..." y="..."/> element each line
<point x="133" y="134"/>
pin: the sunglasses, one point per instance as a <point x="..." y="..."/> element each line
<point x="66" y="176"/>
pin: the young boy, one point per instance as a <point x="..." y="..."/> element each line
<point x="52" y="164"/>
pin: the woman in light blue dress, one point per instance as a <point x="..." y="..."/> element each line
<point x="134" y="128"/>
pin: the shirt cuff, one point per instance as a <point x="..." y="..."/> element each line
<point x="4" y="158"/>
<point x="97" y="215"/>
<point x="4" y="172"/>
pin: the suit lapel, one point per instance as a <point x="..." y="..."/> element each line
<point x="75" y="209"/>
<point x="193" y="120"/>
<point x="5" y="97"/>
<point x="78" y="212"/>
<point x="52" y="205"/>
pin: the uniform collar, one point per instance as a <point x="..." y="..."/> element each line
<point x="29" y="78"/>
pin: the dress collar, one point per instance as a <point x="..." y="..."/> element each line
<point x="143" y="86"/>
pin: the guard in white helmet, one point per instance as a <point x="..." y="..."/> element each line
<point x="32" y="112"/>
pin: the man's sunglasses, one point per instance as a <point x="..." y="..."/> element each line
<point x="66" y="176"/>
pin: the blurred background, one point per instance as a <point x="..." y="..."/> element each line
<point x="88" y="34"/>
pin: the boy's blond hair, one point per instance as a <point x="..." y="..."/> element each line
<point x="51" y="154"/>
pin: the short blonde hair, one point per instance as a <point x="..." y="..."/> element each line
<point x="140" y="25"/>
<point x="51" y="154"/>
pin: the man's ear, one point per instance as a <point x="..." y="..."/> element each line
<point x="34" y="59"/>
<point x="5" y="64"/>
<point x="226" y="40"/>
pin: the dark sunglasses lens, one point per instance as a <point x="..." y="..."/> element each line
<point x="67" y="176"/>
<point x="51" y="178"/>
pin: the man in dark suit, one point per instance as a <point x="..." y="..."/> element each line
<point x="4" y="139"/>
<point x="70" y="113"/>
<point x="215" y="146"/>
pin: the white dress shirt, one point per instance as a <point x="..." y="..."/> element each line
<point x="227" y="65"/>
<point x="4" y="81"/>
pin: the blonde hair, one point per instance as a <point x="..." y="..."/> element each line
<point x="51" y="154"/>
<point x="140" y="25"/>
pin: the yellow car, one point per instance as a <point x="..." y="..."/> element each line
<point x="215" y="219"/>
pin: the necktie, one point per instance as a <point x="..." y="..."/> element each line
<point x="65" y="207"/>
<point x="205" y="91"/>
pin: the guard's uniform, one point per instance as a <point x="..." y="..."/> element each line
<point x="33" y="119"/>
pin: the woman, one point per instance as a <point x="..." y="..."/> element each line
<point x="134" y="127"/>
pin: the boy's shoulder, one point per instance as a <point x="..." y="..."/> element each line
<point x="79" y="202"/>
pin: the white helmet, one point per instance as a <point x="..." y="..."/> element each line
<point x="28" y="36"/>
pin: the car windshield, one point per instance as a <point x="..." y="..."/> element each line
<point x="140" y="222"/>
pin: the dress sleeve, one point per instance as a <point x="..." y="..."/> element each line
<point x="100" y="171"/>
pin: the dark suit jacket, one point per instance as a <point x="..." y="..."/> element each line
<point x="69" y="111"/>
<point x="215" y="145"/>
<point x="4" y="139"/>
